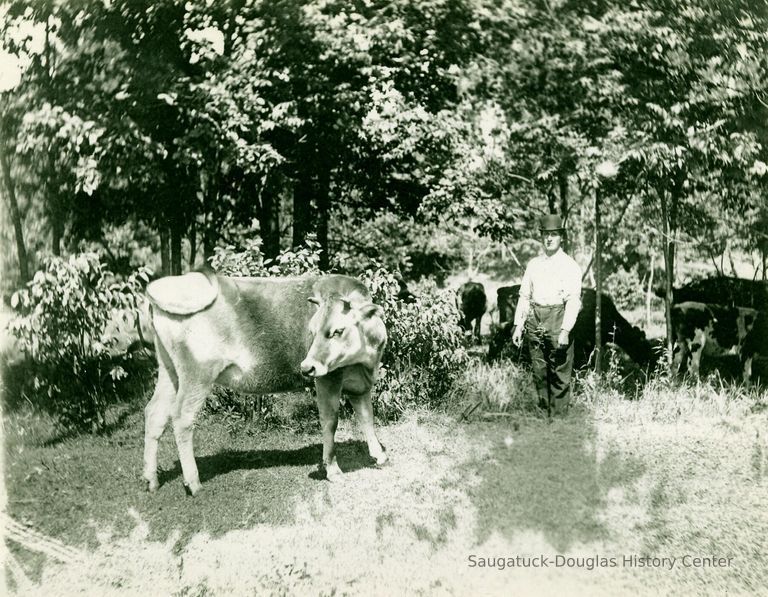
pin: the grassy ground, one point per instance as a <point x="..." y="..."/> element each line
<point x="676" y="473"/>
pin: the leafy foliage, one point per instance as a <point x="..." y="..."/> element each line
<point x="625" y="288"/>
<point x="425" y="352"/>
<point x="62" y="318"/>
<point x="251" y="262"/>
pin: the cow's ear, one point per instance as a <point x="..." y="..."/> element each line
<point x="369" y="310"/>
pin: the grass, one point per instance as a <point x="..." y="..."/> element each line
<point x="682" y="470"/>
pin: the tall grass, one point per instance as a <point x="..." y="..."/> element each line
<point x="496" y="387"/>
<point x="508" y="388"/>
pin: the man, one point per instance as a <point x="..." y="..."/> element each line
<point x="550" y="299"/>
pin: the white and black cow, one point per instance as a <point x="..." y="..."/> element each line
<point x="260" y="335"/>
<point x="709" y="330"/>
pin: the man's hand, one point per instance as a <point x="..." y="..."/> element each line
<point x="517" y="335"/>
<point x="563" y="338"/>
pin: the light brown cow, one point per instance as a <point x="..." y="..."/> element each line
<point x="260" y="335"/>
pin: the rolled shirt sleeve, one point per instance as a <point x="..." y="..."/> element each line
<point x="571" y="295"/>
<point x="524" y="300"/>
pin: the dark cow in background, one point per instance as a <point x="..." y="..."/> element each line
<point x="614" y="328"/>
<point x="472" y="302"/>
<point x="506" y="302"/>
<point x="722" y="290"/>
<point x="404" y="293"/>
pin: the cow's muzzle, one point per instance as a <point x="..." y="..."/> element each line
<point x="312" y="368"/>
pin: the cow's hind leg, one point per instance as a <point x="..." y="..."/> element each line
<point x="156" y="415"/>
<point x="681" y="355"/>
<point x="189" y="400"/>
<point x="364" y="412"/>
<point x="328" y="402"/>
<point x="747" y="369"/>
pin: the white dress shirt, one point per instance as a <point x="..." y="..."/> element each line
<point x="553" y="280"/>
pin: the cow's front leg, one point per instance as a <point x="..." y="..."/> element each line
<point x="364" y="412"/>
<point x="189" y="402"/>
<point x="156" y="415"/>
<point x="328" y="402"/>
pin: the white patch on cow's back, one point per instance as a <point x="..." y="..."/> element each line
<point x="183" y="295"/>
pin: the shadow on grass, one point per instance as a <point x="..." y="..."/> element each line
<point x="258" y="487"/>
<point x="352" y="455"/>
<point x="548" y="480"/>
<point x="114" y="425"/>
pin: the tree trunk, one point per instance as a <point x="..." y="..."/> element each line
<point x="192" y="245"/>
<point x="648" y="292"/>
<point x="323" y="220"/>
<point x="269" y="222"/>
<point x="598" y="286"/>
<point x="13" y="205"/>
<point x="551" y="202"/>
<point x="563" y="185"/>
<point x="668" y="214"/>
<point x="177" y="232"/>
<point x="302" y="209"/>
<point x="209" y="234"/>
<point x="165" y="251"/>
<point x="208" y="191"/>
<point x="57" y="230"/>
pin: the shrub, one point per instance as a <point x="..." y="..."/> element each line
<point x="625" y="288"/>
<point x="425" y="352"/>
<point x="61" y="322"/>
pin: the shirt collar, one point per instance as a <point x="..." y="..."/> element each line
<point x="555" y="255"/>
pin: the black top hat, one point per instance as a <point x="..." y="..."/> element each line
<point x="551" y="223"/>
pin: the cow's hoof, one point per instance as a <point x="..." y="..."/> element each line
<point x="151" y="484"/>
<point x="333" y="472"/>
<point x="193" y="488"/>
<point x="382" y="460"/>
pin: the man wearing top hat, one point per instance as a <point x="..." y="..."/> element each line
<point x="550" y="299"/>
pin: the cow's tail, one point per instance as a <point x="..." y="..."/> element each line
<point x="144" y="328"/>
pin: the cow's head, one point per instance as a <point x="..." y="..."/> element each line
<point x="344" y="332"/>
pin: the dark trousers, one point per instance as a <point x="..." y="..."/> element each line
<point x="552" y="365"/>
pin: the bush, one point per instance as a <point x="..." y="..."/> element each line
<point x="625" y="288"/>
<point x="61" y="322"/>
<point x="425" y="352"/>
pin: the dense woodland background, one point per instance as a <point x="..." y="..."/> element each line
<point x="427" y="136"/>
